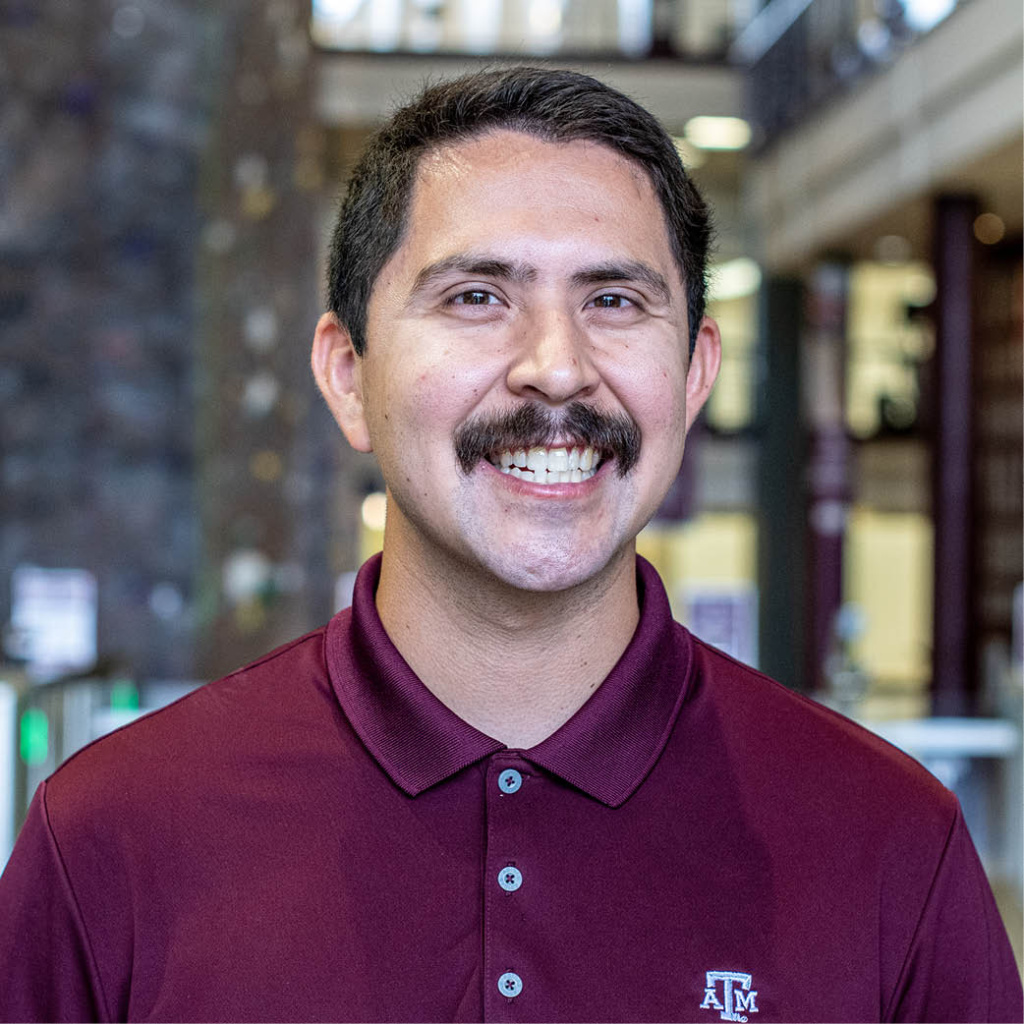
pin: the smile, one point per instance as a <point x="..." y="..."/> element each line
<point x="548" y="465"/>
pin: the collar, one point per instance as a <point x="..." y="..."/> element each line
<point x="606" y="749"/>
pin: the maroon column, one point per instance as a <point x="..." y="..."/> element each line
<point x="828" y="473"/>
<point x="953" y="672"/>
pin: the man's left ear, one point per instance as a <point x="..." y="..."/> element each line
<point x="704" y="366"/>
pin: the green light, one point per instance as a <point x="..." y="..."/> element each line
<point x="35" y="736"/>
<point x="124" y="697"/>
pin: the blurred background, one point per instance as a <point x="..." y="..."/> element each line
<point x="176" y="501"/>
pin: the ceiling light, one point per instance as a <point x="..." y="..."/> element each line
<point x="717" y="132"/>
<point x="734" y="279"/>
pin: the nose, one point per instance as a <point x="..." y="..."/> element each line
<point x="552" y="360"/>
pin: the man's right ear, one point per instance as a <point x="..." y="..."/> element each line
<point x="338" y="372"/>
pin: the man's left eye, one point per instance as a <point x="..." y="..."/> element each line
<point x="610" y="301"/>
<point x="474" y="298"/>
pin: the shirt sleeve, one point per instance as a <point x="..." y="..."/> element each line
<point x="960" y="965"/>
<point x="47" y="968"/>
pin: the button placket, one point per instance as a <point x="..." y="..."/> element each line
<point x="508" y="810"/>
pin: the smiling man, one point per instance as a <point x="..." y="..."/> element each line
<point x="505" y="785"/>
<point x="526" y="384"/>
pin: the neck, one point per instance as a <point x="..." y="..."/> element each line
<point x="514" y="664"/>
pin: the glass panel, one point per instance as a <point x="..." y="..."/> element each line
<point x="888" y="578"/>
<point x="887" y="345"/>
<point x="709" y="566"/>
<point x="731" y="405"/>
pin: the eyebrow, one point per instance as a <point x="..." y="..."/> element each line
<point x="630" y="270"/>
<point x="475" y="266"/>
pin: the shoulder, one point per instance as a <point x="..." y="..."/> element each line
<point x="787" y="744"/>
<point x="182" y="745"/>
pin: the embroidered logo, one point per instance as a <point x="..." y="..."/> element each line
<point x="734" y="1002"/>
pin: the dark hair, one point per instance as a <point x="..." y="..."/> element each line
<point x="557" y="105"/>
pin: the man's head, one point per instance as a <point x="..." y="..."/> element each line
<point x="511" y="307"/>
<point x="554" y="105"/>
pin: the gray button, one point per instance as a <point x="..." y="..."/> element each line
<point x="510" y="984"/>
<point x="509" y="780"/>
<point x="510" y="878"/>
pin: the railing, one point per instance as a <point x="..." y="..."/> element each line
<point x="42" y="725"/>
<point x="631" y="29"/>
<point x="802" y="53"/>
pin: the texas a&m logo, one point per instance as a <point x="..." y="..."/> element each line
<point x="733" y="999"/>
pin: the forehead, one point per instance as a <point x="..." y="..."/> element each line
<point x="509" y="150"/>
<point x="451" y="171"/>
<point x="512" y="189"/>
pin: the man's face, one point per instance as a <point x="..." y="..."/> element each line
<point x="534" y="303"/>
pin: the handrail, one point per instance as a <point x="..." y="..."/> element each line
<point x="765" y="29"/>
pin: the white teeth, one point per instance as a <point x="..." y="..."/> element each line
<point x="558" y="460"/>
<point x="569" y="476"/>
<point x="549" y="466"/>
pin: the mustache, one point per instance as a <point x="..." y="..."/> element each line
<point x="537" y="426"/>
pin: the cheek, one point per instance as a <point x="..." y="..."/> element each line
<point x="656" y="397"/>
<point x="417" y="402"/>
<point x="450" y="386"/>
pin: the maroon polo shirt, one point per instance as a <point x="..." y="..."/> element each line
<point x="317" y="837"/>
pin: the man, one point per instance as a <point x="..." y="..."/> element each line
<point x="505" y="785"/>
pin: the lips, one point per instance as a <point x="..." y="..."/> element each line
<point x="555" y="465"/>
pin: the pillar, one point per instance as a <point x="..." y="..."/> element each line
<point x="828" y="465"/>
<point x="262" y="439"/>
<point x="780" y="484"/>
<point x="953" y="674"/>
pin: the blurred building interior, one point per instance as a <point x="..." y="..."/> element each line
<point x="176" y="500"/>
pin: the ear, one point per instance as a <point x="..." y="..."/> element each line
<point x="338" y="373"/>
<point x="703" y="369"/>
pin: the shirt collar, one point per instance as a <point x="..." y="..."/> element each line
<point x="606" y="749"/>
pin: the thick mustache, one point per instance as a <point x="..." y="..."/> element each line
<point x="536" y="426"/>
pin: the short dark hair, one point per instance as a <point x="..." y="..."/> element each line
<point x="551" y="104"/>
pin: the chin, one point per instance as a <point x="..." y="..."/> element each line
<point x="550" y="573"/>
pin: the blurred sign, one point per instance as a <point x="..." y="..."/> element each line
<point x="53" y="620"/>
<point x="726" y="618"/>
